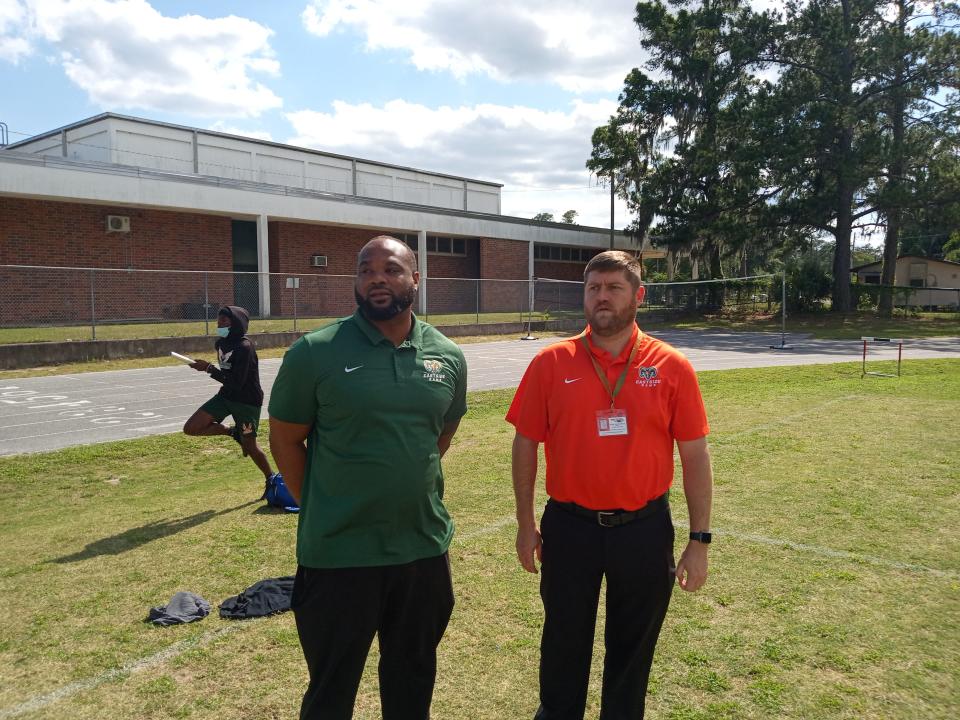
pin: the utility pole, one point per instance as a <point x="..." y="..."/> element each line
<point x="611" y="208"/>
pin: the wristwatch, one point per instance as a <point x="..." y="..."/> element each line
<point x="210" y="368"/>
<point x="703" y="537"/>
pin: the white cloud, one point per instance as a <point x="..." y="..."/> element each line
<point x="540" y="156"/>
<point x="13" y="44"/>
<point x="579" y="47"/>
<point x="125" y="54"/>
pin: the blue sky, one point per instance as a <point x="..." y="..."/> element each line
<point x="499" y="90"/>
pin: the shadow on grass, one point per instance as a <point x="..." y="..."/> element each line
<point x="135" y="537"/>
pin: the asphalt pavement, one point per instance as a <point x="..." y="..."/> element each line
<point x="48" y="413"/>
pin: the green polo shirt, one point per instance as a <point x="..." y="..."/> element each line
<point x="373" y="488"/>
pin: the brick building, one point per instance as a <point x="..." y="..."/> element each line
<point x="113" y="193"/>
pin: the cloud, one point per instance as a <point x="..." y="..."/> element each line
<point x="13" y="45"/>
<point x="125" y="54"/>
<point x="538" y="155"/>
<point x="577" y="46"/>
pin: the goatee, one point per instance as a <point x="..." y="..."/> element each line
<point x="398" y="304"/>
<point x="612" y="324"/>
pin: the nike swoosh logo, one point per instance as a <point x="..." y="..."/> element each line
<point x="568" y="380"/>
<point x="350" y="370"/>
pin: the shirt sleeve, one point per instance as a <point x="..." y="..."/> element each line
<point x="528" y="411"/>
<point x="293" y="397"/>
<point x="689" y="418"/>
<point x="458" y="406"/>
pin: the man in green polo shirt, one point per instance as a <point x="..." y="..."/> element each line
<point x="361" y="412"/>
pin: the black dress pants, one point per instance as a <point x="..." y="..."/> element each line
<point x="637" y="561"/>
<point x="338" y="612"/>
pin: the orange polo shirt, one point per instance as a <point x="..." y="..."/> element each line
<point x="557" y="404"/>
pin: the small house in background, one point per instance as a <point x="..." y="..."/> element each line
<point x="935" y="283"/>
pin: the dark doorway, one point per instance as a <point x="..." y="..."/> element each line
<point x="246" y="288"/>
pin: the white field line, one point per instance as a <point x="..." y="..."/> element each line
<point x="835" y="554"/>
<point x="40" y="701"/>
<point x="176" y="649"/>
<point x="772" y="542"/>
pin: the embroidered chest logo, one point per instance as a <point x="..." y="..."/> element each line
<point x="647" y="376"/>
<point x="433" y="371"/>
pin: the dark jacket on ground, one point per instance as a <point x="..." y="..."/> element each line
<point x="266" y="597"/>
<point x="239" y="369"/>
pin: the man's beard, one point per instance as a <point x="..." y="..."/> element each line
<point x="397" y="305"/>
<point x="612" y="324"/>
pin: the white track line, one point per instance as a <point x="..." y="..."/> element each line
<point x="65" y="691"/>
<point x="176" y="649"/>
<point x="771" y="542"/>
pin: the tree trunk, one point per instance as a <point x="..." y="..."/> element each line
<point x="841" y="255"/>
<point x="891" y="242"/>
<point x="845" y="188"/>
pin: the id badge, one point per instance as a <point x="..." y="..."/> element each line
<point x="611" y="422"/>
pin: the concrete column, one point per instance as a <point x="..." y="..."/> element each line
<point x="196" y="153"/>
<point x="263" y="265"/>
<point x="422" y="269"/>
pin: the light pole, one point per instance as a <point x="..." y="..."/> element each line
<point x="611" y="208"/>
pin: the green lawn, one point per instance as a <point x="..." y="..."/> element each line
<point x="827" y="325"/>
<point x="834" y="588"/>
<point x="821" y="325"/>
<point x="139" y="331"/>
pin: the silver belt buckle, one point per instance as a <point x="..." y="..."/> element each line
<point x="600" y="515"/>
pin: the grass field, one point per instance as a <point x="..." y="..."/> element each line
<point x="142" y="330"/>
<point x="821" y="325"/>
<point x="834" y="588"/>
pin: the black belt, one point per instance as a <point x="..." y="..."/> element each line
<point x="615" y="518"/>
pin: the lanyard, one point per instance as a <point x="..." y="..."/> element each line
<point x="603" y="376"/>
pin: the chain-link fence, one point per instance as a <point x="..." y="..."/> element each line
<point x="58" y="303"/>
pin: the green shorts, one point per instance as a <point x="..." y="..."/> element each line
<point x="242" y="413"/>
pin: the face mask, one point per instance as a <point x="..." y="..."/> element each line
<point x="223" y="331"/>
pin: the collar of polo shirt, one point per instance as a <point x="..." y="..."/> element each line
<point x="414" y="338"/>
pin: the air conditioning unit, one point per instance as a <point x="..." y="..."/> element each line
<point x="118" y="223"/>
<point x="318" y="261"/>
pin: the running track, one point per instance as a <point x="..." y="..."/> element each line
<point x="40" y="414"/>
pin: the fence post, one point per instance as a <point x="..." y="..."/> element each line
<point x="93" y="305"/>
<point x="783" y="315"/>
<point x="296" y="282"/>
<point x="783" y="308"/>
<point x="206" y="304"/>
<point x="478" y="301"/>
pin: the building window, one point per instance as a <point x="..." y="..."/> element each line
<point x="411" y="239"/>
<point x="918" y="274"/>
<point x="871" y="279"/>
<point x="562" y="253"/>
<point x="436" y="245"/>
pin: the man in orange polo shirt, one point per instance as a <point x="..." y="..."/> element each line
<point x="608" y="406"/>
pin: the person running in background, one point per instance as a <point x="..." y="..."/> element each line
<point x="241" y="395"/>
